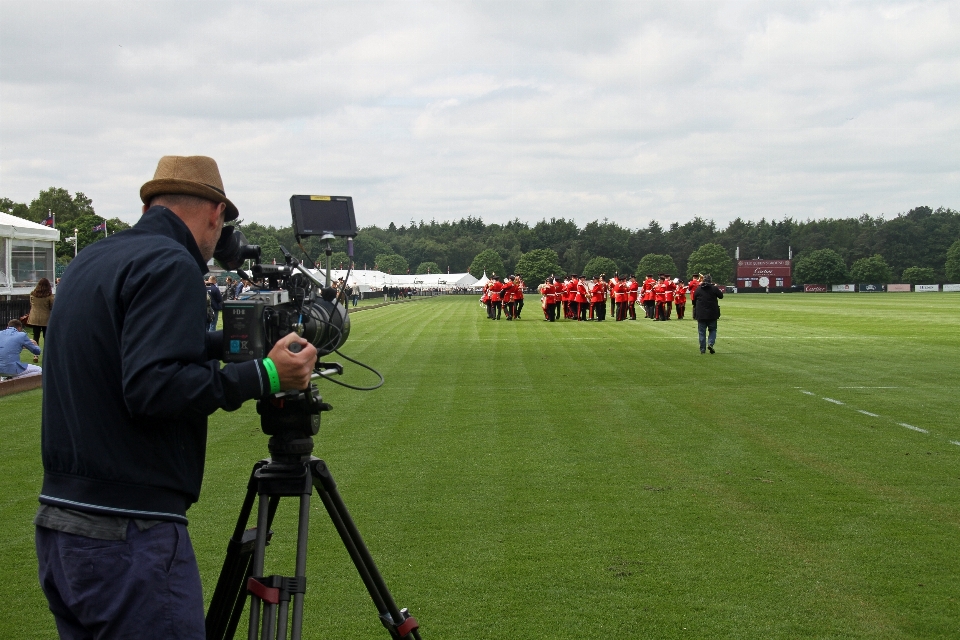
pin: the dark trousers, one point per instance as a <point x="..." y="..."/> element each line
<point x="633" y="310"/>
<point x="518" y="308"/>
<point x="584" y="307"/>
<point x="145" y="587"/>
<point x="508" y="310"/>
<point x="600" y="311"/>
<point x="38" y="331"/>
<point x="659" y="311"/>
<point x="681" y="308"/>
<point x="668" y="307"/>
<point x="497" y="308"/>
<point x="707" y="332"/>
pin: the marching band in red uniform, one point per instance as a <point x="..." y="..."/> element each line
<point x="582" y="299"/>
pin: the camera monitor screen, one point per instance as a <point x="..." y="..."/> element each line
<point x="317" y="215"/>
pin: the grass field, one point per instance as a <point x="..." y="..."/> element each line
<point x="528" y="480"/>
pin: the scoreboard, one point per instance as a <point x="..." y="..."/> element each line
<point x="760" y="274"/>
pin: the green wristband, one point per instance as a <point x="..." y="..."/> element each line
<point x="272" y="374"/>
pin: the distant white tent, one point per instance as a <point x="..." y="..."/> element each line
<point x="26" y="254"/>
<point x="370" y="280"/>
<point x="482" y="282"/>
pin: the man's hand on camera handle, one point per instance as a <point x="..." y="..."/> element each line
<point x="293" y="368"/>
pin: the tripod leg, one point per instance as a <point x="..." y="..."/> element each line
<point x="398" y="622"/>
<point x="301" y="567"/>
<point x="257" y="570"/>
<point x="229" y="597"/>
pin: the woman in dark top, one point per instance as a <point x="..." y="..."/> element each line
<point x="41" y="302"/>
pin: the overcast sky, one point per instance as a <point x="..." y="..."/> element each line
<point x="631" y="111"/>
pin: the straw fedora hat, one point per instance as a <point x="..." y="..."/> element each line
<point x="191" y="176"/>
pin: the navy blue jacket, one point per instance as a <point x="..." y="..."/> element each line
<point x="128" y="382"/>
<point x="216" y="298"/>
<point x="705" y="305"/>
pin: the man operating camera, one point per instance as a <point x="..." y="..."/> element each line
<point x="130" y="376"/>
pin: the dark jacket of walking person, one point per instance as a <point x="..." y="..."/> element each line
<point x="41" y="303"/>
<point x="706" y="311"/>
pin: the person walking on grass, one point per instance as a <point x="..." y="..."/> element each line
<point x="706" y="311"/>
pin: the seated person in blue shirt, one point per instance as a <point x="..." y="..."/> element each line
<point x="13" y="339"/>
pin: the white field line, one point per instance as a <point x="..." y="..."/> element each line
<point x="873" y="415"/>
<point x="955" y="442"/>
<point x="868" y="387"/>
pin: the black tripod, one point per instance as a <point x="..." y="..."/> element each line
<point x="290" y="419"/>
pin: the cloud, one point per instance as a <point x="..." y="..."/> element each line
<point x="626" y="110"/>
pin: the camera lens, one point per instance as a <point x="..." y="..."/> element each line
<point x="326" y="325"/>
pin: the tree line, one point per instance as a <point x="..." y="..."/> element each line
<point x="919" y="239"/>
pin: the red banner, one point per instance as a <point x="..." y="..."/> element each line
<point x="814" y="288"/>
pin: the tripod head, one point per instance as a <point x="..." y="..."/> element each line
<point x="292" y="418"/>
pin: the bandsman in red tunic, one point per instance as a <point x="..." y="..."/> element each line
<point x="507" y="293"/>
<point x="598" y="299"/>
<point x="620" y="298"/>
<point x="554" y="298"/>
<point x="646" y="296"/>
<point x="495" y="300"/>
<point x="680" y="299"/>
<point x="546" y="291"/>
<point x="668" y="287"/>
<point x="633" y="292"/>
<point x="567" y="297"/>
<point x="612" y="287"/>
<point x="583" y="304"/>
<point x="517" y="296"/>
<point x="659" y="299"/>
<point x="573" y="309"/>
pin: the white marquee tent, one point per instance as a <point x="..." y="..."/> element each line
<point x="370" y="280"/>
<point x="26" y="254"/>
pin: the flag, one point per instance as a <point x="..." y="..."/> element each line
<point x="100" y="227"/>
<point x="48" y="221"/>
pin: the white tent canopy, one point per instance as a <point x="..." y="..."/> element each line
<point x="26" y="254"/>
<point x="370" y="280"/>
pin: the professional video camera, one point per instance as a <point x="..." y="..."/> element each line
<point x="290" y="298"/>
